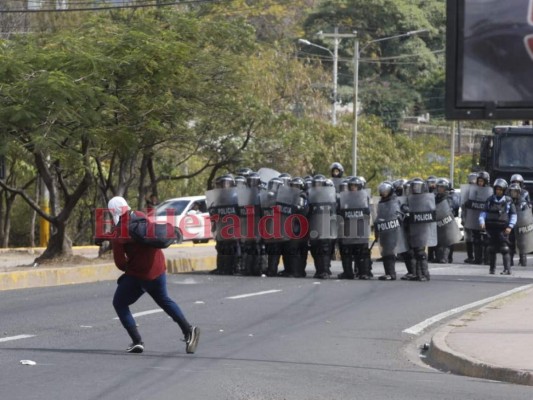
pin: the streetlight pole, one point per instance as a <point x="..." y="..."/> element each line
<point x="355" y="100"/>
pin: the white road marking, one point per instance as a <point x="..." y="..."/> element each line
<point x="242" y="296"/>
<point x="7" y="339"/>
<point x="419" y="328"/>
<point x="140" y="314"/>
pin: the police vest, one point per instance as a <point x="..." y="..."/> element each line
<point x="498" y="214"/>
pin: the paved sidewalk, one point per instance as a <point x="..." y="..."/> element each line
<point x="494" y="342"/>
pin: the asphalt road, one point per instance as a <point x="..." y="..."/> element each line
<point x="262" y="338"/>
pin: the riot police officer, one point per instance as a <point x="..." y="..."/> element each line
<point x="272" y="243"/>
<point x="448" y="232"/>
<point x="521" y="236"/>
<point x="388" y="229"/>
<point x="354" y="209"/>
<point x="524" y="194"/>
<point x="249" y="216"/>
<point x="322" y="224"/>
<point x="422" y="227"/>
<point x="222" y="206"/>
<point x="468" y="236"/>
<point x="499" y="219"/>
<point x="294" y="251"/>
<point x="337" y="174"/>
<point x="472" y="208"/>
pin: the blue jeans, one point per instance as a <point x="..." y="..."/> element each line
<point x="130" y="289"/>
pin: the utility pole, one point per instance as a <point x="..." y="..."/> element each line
<point x="336" y="38"/>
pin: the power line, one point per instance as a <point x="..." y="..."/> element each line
<point x="107" y="8"/>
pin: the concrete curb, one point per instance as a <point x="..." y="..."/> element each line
<point x="45" y="277"/>
<point x="442" y="357"/>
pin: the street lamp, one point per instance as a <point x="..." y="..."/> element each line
<point x="357" y="55"/>
<point x="334" y="56"/>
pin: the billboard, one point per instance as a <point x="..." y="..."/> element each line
<point x="489" y="59"/>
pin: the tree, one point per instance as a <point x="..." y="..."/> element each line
<point x="48" y="112"/>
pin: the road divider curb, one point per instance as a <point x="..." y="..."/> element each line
<point x="42" y="277"/>
<point x="184" y="265"/>
<point x="69" y="275"/>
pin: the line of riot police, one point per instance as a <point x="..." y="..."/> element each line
<point x="256" y="225"/>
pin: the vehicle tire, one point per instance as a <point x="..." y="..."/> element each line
<point x="179" y="236"/>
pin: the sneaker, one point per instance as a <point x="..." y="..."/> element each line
<point x="135" y="348"/>
<point x="192" y="340"/>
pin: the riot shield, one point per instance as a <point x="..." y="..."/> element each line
<point x="477" y="198"/>
<point x="448" y="231"/>
<point x="268" y="229"/>
<point x="337" y="182"/>
<point x="322" y="213"/>
<point x="391" y="235"/>
<point x="355" y="213"/>
<point x="266" y="174"/>
<point x="422" y="221"/>
<point x="465" y="188"/>
<point x="223" y="209"/>
<point x="524" y="230"/>
<point x="287" y="200"/>
<point x="249" y="212"/>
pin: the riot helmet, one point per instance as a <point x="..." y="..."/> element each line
<point x="485" y="177"/>
<point x="362" y="178"/>
<point x="253" y="180"/>
<point x="329" y="183"/>
<point x="472" y="178"/>
<point x="407" y="187"/>
<point x="500" y="184"/>
<point x="308" y="182"/>
<point x="240" y="181"/>
<point x="297" y="183"/>
<point x="319" y="180"/>
<point x="336" y="169"/>
<point x="398" y="185"/>
<point x="225" y="182"/>
<point x="515" y="191"/>
<point x="244" y="172"/>
<point x="442" y="185"/>
<point x="355" y="184"/>
<point x="417" y="186"/>
<point x="385" y="189"/>
<point x="431" y="183"/>
<point x="285" y="178"/>
<point x="343" y="186"/>
<point x="274" y="184"/>
<point x="517" y="178"/>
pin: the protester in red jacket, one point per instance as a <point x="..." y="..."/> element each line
<point x="144" y="271"/>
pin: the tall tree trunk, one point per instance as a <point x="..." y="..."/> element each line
<point x="59" y="244"/>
